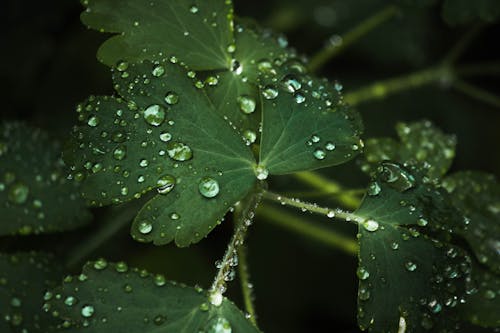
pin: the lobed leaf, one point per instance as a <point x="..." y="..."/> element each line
<point x="199" y="31"/>
<point x="35" y="194"/>
<point x="477" y="196"/>
<point x="421" y="144"/>
<point x="407" y="279"/>
<point x="465" y="11"/>
<point x="162" y="134"/>
<point x="24" y="278"/>
<point x="115" y="298"/>
<point x="305" y="125"/>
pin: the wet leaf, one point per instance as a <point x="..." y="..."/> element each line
<point x="465" y="11"/>
<point x="421" y="144"/>
<point x="162" y="135"/>
<point x="199" y="32"/>
<point x="35" y="194"/>
<point x="115" y="298"/>
<point x="483" y="305"/>
<point x="24" y="279"/>
<point x="477" y="196"/>
<point x="305" y="125"/>
<point x="406" y="277"/>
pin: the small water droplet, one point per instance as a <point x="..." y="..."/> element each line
<point x="410" y="266"/>
<point x="371" y="225"/>
<point x="18" y="193"/>
<point x="291" y="84"/>
<point x="171" y="98"/>
<point x="120" y="153"/>
<point x="158" y="71"/>
<point x="270" y="92"/>
<point x="247" y="104"/>
<point x="373" y="189"/>
<point x="319" y="154"/>
<point x="145" y="227"/>
<point x="165" y="184"/>
<point x="362" y="273"/>
<point x="87" y="311"/>
<point x="179" y="151"/>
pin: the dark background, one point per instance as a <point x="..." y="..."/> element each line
<point x="48" y="65"/>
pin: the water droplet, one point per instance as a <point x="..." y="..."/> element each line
<point x="270" y="92"/>
<point x="247" y="104"/>
<point x="261" y="172"/>
<point x="159" y="280"/>
<point x="18" y="193"/>
<point x="216" y="298"/>
<point x="291" y="84"/>
<point x="175" y="216"/>
<point x="219" y="325"/>
<point x="249" y="136"/>
<point x="396" y="176"/>
<point x="204" y="307"/>
<point x="319" y="154"/>
<point x="100" y="264"/>
<point x="145" y="227"/>
<point x="143" y="163"/>
<point x="165" y="136"/>
<point x="87" y="311"/>
<point x="122" y="66"/>
<point x="119" y="153"/>
<point x="373" y="189"/>
<point x="171" y="98"/>
<point x="371" y="225"/>
<point x="208" y="187"/>
<point x="159" y="320"/>
<point x="70" y="301"/>
<point x="154" y="115"/>
<point x="179" y="151"/>
<point x="93" y="121"/>
<point x="362" y="273"/>
<point x="158" y="71"/>
<point x="193" y="9"/>
<point x="330" y="146"/>
<point x="165" y="184"/>
<point x="363" y="294"/>
<point x="422" y="222"/>
<point x="299" y="98"/>
<point x="410" y="266"/>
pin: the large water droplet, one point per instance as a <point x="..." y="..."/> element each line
<point x="247" y="104"/>
<point x="362" y="273"/>
<point x="261" y="172"/>
<point x="396" y="176"/>
<point x="219" y="325"/>
<point x="119" y="153"/>
<point x="208" y="187"/>
<point x="179" y="151"/>
<point x="319" y="154"/>
<point x="371" y="225"/>
<point x="165" y="184"/>
<point x="291" y="84"/>
<point x="270" y="92"/>
<point x="373" y="189"/>
<point x="87" y="311"/>
<point x="154" y="115"/>
<point x="410" y="266"/>
<point x="158" y="71"/>
<point x="145" y="227"/>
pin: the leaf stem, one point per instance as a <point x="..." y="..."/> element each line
<point x="461" y="46"/>
<point x="477" y="93"/>
<point x="347" y="198"/>
<point x="246" y="285"/>
<point x="302" y="227"/>
<point x="314" y="208"/>
<point x="244" y="219"/>
<point x="365" y="26"/>
<point x="383" y="88"/>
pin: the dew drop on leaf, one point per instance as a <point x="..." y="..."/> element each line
<point x="319" y="154"/>
<point x="171" y="98"/>
<point x="219" y="325"/>
<point x="18" y="193"/>
<point x="145" y="227"/>
<point x="87" y="311"/>
<point x="362" y="273"/>
<point x="179" y="151"/>
<point x="119" y="153"/>
<point x="261" y="172"/>
<point x="165" y="184"/>
<point x="154" y="115"/>
<point x="270" y="92"/>
<point x="158" y="71"/>
<point x="370" y="225"/>
<point x="208" y="187"/>
<point x="373" y="189"/>
<point x="247" y="104"/>
<point x="291" y="84"/>
<point x="410" y="266"/>
<point x="330" y="146"/>
<point x="249" y="136"/>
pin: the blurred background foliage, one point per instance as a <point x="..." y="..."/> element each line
<point x="48" y="65"/>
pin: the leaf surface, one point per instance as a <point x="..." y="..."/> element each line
<point x="35" y="194"/>
<point x="421" y="143"/>
<point x="199" y="32"/>
<point x="115" y="298"/>
<point x="407" y="278"/>
<point x="24" y="279"/>
<point x="162" y="134"/>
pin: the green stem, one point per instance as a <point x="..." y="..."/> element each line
<point x="477" y="93"/>
<point x="314" y="208"/>
<point x="461" y="46"/>
<point x="116" y="218"/>
<point x="367" y="25"/>
<point x="304" y="228"/>
<point x="244" y="219"/>
<point x="246" y="285"/>
<point x="347" y="198"/>
<point x="382" y="89"/>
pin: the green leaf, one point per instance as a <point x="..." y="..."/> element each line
<point x="477" y="196"/>
<point x="422" y="144"/>
<point x="24" y="278"/>
<point x="35" y="195"/>
<point x="199" y="32"/>
<point x="305" y="125"/>
<point x="466" y="11"/>
<point x="482" y="306"/>
<point x="164" y="135"/>
<point x="256" y="52"/>
<point x="407" y="278"/>
<point x="115" y="298"/>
